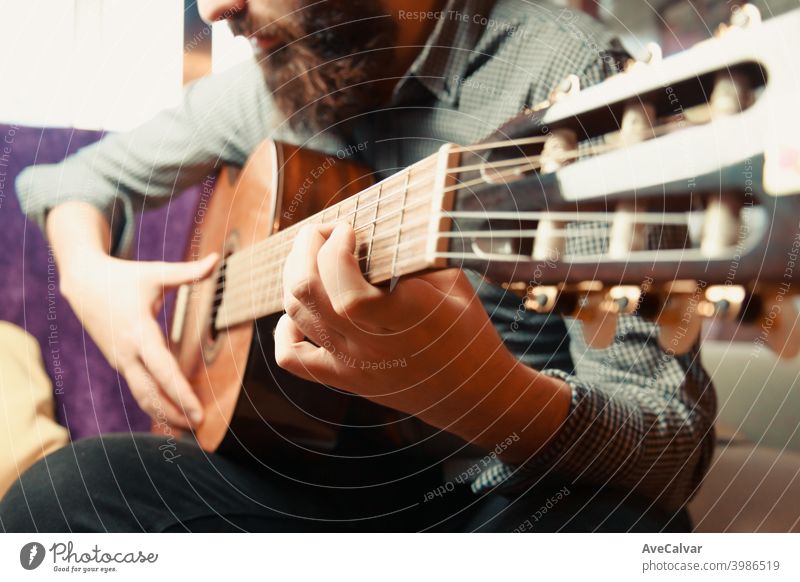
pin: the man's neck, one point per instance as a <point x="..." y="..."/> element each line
<point x="412" y="31"/>
<point x="412" y="34"/>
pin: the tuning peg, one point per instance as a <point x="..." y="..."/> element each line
<point x="729" y="303"/>
<point x="568" y="300"/>
<point x="600" y="329"/>
<point x="571" y="85"/>
<point x="546" y="299"/>
<point x="550" y="243"/>
<point x="778" y="322"/>
<point x="637" y="121"/>
<point x="559" y="149"/>
<point x="537" y="107"/>
<point x="516" y="287"/>
<point x="742" y="18"/>
<point x="637" y="124"/>
<point x="627" y="234"/>
<point x="679" y="322"/>
<point x="599" y="321"/>
<point x="653" y="55"/>
<point x="732" y="94"/>
<point x="745" y="17"/>
<point x="585" y="302"/>
<point x="625" y="299"/>
<point x="721" y="227"/>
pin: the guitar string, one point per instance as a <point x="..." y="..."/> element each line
<point x="529" y="165"/>
<point x="663" y="219"/>
<point x="245" y="311"/>
<point x="380" y="258"/>
<point x="269" y="267"/>
<point x="563" y="156"/>
<point x="600" y="148"/>
<point x="526" y="163"/>
<point x="380" y="261"/>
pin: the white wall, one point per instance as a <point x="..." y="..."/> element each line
<point x="227" y="50"/>
<point x="89" y="63"/>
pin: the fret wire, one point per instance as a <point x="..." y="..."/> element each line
<point x="396" y="262"/>
<point x="402" y="214"/>
<point x="355" y="212"/>
<point x="594" y="149"/>
<point x="660" y="219"/>
<point x="381" y="258"/>
<point x="239" y="316"/>
<point x="372" y="232"/>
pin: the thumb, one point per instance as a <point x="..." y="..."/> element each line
<point x="174" y="274"/>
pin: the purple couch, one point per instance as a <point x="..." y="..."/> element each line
<point x="91" y="397"/>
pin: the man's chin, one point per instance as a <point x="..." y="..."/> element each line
<point x="297" y="95"/>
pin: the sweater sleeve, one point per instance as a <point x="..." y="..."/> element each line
<point x="220" y="120"/>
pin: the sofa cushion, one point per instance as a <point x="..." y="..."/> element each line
<point x="91" y="398"/>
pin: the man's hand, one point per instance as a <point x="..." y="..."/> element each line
<point x="427" y="348"/>
<point x="117" y="302"/>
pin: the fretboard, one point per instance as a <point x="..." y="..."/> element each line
<point x="392" y="222"/>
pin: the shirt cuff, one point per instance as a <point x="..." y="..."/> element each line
<point x="554" y="457"/>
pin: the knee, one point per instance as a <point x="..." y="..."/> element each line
<point x="55" y="494"/>
<point x="34" y="503"/>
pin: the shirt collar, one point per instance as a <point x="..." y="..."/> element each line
<point x="446" y="55"/>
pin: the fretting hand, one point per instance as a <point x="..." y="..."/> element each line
<point x="426" y="348"/>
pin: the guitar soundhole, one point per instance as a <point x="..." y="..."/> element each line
<point x="210" y="344"/>
<point x="219" y="288"/>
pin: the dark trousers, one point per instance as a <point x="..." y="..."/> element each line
<point x="125" y="483"/>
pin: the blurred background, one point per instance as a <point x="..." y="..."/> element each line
<point x="110" y="64"/>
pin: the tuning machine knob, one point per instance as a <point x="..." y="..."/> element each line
<point x="653" y="55"/>
<point x="742" y="18"/>
<point x="679" y="320"/>
<point x="586" y="302"/>
<point x="577" y="301"/>
<point x="569" y="86"/>
<point x="746" y="16"/>
<point x="730" y="303"/>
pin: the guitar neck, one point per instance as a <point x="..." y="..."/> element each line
<point x="396" y="222"/>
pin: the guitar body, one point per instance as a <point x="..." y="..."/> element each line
<point x="253" y="408"/>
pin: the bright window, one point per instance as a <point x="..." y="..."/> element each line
<point x="108" y="64"/>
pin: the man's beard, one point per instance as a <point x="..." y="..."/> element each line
<point x="331" y="56"/>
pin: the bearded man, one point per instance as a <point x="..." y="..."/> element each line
<point x="618" y="443"/>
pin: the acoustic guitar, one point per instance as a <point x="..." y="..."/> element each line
<point x="707" y="141"/>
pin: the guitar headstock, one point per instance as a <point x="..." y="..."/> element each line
<point x="671" y="190"/>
